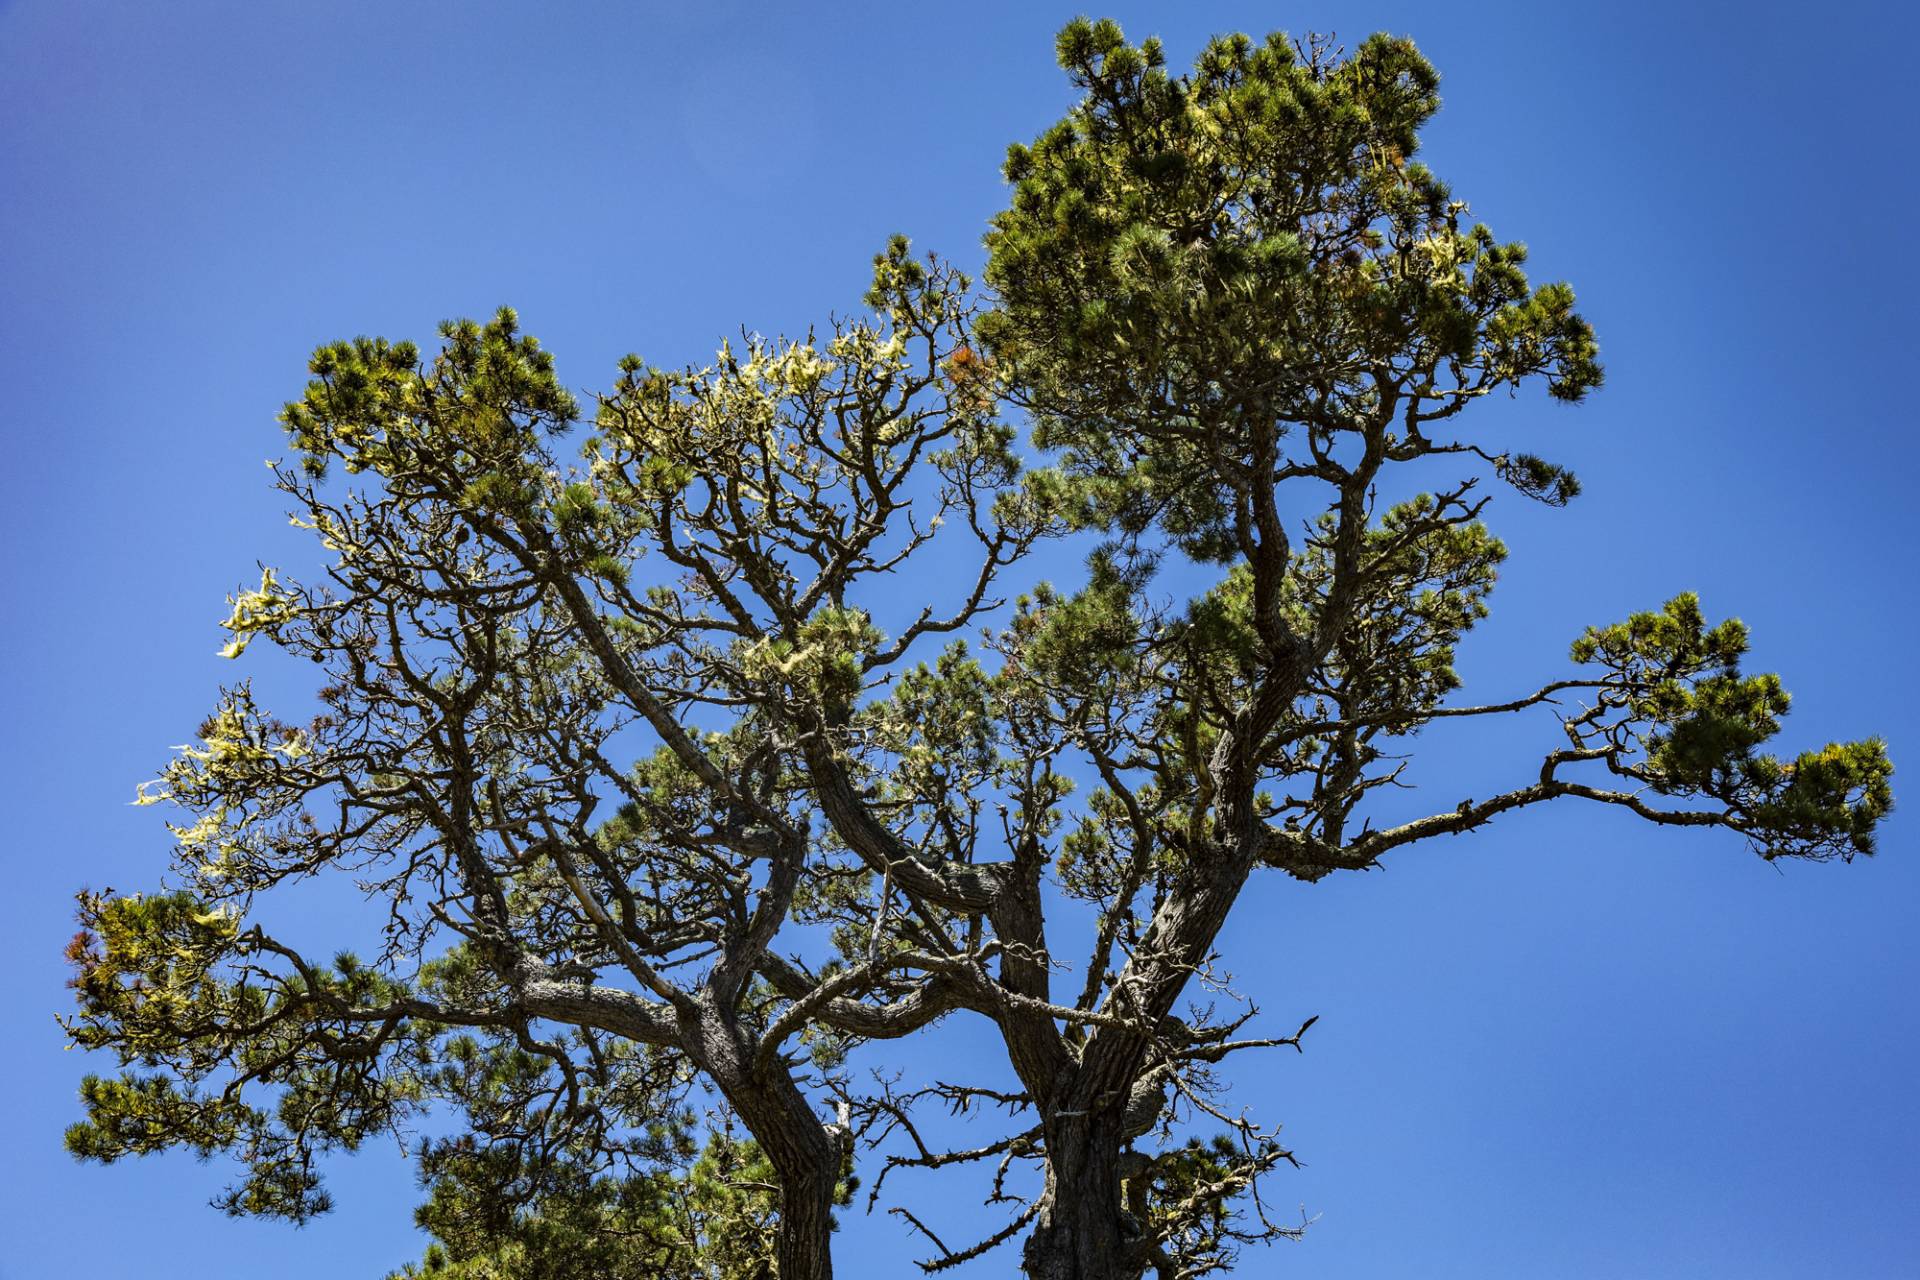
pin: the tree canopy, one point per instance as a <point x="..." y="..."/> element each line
<point x="685" y="744"/>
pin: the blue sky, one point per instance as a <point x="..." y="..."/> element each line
<point x="1568" y="1046"/>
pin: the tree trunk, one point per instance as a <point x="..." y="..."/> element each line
<point x="804" y="1249"/>
<point x="805" y="1153"/>
<point x="806" y="1161"/>
<point x="1083" y="1231"/>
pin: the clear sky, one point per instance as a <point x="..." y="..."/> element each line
<point x="1567" y="1046"/>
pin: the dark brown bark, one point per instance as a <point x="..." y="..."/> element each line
<point x="1083" y="1231"/>
<point x="806" y="1154"/>
<point x="804" y="1250"/>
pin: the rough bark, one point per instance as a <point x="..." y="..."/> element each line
<point x="1083" y="1231"/>
<point x="806" y="1153"/>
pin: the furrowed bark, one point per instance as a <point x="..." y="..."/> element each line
<point x="1083" y="1231"/>
<point x="806" y="1154"/>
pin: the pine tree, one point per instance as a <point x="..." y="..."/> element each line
<point x="671" y="807"/>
